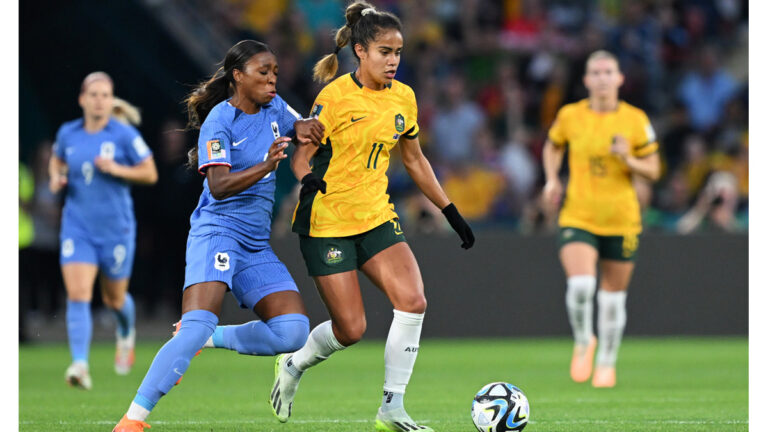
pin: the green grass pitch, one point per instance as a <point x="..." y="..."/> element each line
<point x="664" y="384"/>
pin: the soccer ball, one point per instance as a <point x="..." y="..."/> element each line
<point x="500" y="407"/>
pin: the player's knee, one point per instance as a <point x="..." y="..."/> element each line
<point x="414" y="303"/>
<point x="292" y="333"/>
<point x="350" y="332"/>
<point x="581" y="289"/>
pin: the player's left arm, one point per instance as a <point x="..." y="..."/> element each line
<point x="141" y="167"/>
<point x="640" y="151"/>
<point x="423" y="175"/>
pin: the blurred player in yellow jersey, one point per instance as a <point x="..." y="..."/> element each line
<point x="610" y="144"/>
<point x="344" y="218"/>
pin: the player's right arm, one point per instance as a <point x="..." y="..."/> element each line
<point x="552" y="159"/>
<point x="57" y="167"/>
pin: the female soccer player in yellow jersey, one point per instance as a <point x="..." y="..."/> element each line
<point x="344" y="219"/>
<point x="609" y="143"/>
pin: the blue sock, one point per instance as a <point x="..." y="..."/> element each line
<point x="173" y="359"/>
<point x="126" y="316"/>
<point x="281" y="334"/>
<point x="79" y="329"/>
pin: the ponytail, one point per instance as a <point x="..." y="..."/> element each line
<point x="123" y="111"/>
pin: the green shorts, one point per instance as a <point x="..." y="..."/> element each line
<point x="621" y="248"/>
<point x="331" y="255"/>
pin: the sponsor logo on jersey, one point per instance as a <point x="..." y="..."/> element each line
<point x="316" y="110"/>
<point x="215" y="151"/>
<point x="334" y="256"/>
<point x="353" y="119"/>
<point x="237" y="143"/>
<point x="399" y="123"/>
<point x="221" y="261"/>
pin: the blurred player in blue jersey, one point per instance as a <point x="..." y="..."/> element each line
<point x="97" y="157"/>
<point x="242" y="140"/>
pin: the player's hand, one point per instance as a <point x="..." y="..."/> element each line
<point x="106" y="165"/>
<point x="276" y="152"/>
<point x="552" y="194"/>
<point x="57" y="182"/>
<point x="309" y="131"/>
<point x="311" y="183"/>
<point x="459" y="225"/>
<point x="620" y="147"/>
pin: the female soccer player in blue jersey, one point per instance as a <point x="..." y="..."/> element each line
<point x="97" y="157"/>
<point x="241" y="142"/>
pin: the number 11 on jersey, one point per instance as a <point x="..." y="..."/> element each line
<point x="373" y="149"/>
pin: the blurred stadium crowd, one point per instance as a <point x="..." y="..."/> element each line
<point x="489" y="78"/>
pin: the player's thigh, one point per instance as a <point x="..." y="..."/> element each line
<point x="578" y="252"/>
<point x="79" y="279"/>
<point x="113" y="291"/>
<point x="615" y="275"/>
<point x="116" y="256"/>
<point x="263" y="284"/>
<point x="78" y="257"/>
<point x="395" y="271"/>
<point x="205" y="295"/>
<point x="341" y="294"/>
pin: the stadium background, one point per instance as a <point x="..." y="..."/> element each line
<point x="489" y="77"/>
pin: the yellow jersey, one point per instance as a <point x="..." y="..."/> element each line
<point x="600" y="197"/>
<point x="362" y="126"/>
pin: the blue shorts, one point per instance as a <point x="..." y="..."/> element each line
<point x="114" y="256"/>
<point x="251" y="274"/>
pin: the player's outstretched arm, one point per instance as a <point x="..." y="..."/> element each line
<point x="223" y="183"/>
<point x="423" y="175"/>
<point x="143" y="172"/>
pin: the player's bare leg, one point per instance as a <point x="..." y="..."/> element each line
<point x="579" y="261"/>
<point x="612" y="317"/>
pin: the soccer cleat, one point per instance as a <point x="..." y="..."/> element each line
<point x="398" y="420"/>
<point x="124" y="354"/>
<point x="605" y="377"/>
<point x="77" y="375"/>
<point x="176" y="328"/>
<point x="581" y="362"/>
<point x="284" y="389"/>
<point x="127" y="425"/>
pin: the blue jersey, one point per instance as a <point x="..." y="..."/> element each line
<point x="230" y="137"/>
<point x="97" y="204"/>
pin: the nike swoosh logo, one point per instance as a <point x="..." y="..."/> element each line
<point x="358" y="119"/>
<point x="235" y="144"/>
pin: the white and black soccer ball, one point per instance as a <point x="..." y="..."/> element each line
<point x="500" y="407"/>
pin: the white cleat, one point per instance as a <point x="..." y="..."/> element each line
<point x="284" y="389"/>
<point x="398" y="420"/>
<point x="124" y="354"/>
<point x="77" y="375"/>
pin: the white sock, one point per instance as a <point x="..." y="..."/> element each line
<point x="611" y="319"/>
<point x="137" y="412"/>
<point x="400" y="353"/>
<point x="321" y="343"/>
<point x="578" y="301"/>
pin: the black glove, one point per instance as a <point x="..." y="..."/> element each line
<point x="459" y="225"/>
<point x="311" y="183"/>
